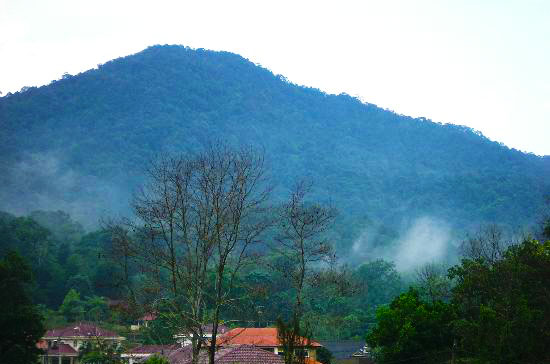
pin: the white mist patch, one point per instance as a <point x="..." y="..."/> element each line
<point x="424" y="240"/>
<point x="44" y="182"/>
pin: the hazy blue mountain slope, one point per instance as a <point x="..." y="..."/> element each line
<point x="80" y="143"/>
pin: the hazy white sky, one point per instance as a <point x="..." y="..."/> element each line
<point x="481" y="63"/>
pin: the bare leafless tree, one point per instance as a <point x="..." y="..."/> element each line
<point x="301" y="239"/>
<point x="239" y="196"/>
<point x="195" y="218"/>
<point x="302" y="244"/>
<point x="488" y="244"/>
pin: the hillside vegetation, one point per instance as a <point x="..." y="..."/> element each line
<point x="81" y="143"/>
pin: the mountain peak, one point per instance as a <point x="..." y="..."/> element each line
<point x="94" y="131"/>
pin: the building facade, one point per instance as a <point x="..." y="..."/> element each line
<point x="62" y="345"/>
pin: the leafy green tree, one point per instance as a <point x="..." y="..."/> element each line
<point x="36" y="245"/>
<point x="106" y="280"/>
<point x="81" y="284"/>
<point x="324" y="355"/>
<point x="100" y="351"/>
<point x="546" y="229"/>
<point x="503" y="305"/>
<point x="27" y="237"/>
<point x="383" y="282"/>
<point x="410" y="330"/>
<point x="433" y="283"/>
<point x="21" y="322"/>
<point x="160" y="331"/>
<point x="96" y="308"/>
<point x="72" y="307"/>
<point x="52" y="318"/>
<point x="60" y="223"/>
<point x="335" y="306"/>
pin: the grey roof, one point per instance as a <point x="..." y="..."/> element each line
<point x="343" y="349"/>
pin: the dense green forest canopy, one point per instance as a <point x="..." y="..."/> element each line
<point x="76" y="279"/>
<point x="492" y="306"/>
<point x="80" y="144"/>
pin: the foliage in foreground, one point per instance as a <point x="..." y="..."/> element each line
<point x="20" y="320"/>
<point x="499" y="313"/>
<point x="155" y="359"/>
<point x="100" y="351"/>
<point x="503" y="307"/>
<point x="412" y="330"/>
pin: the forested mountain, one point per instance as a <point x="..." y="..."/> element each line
<point x="80" y="144"/>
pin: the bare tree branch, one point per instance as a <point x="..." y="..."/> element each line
<point x="196" y="217"/>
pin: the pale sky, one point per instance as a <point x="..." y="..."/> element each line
<point x="481" y="63"/>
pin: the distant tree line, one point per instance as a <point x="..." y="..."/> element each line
<point x="74" y="280"/>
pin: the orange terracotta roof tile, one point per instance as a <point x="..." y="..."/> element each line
<point x="255" y="336"/>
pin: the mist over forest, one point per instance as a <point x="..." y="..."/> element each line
<point x="81" y="145"/>
<point x="408" y="191"/>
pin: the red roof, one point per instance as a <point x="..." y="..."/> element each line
<point x="241" y="354"/>
<point x="80" y="330"/>
<point x="266" y="337"/>
<point x="62" y="349"/>
<point x="181" y="356"/>
<point x="247" y="354"/>
<point x="152" y="349"/>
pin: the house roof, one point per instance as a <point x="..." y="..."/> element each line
<point x="247" y="354"/>
<point x="343" y="349"/>
<point x="80" y="330"/>
<point x="152" y="349"/>
<point x="266" y="337"/>
<point x="241" y="354"/>
<point x="62" y="350"/>
<point x="180" y="356"/>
